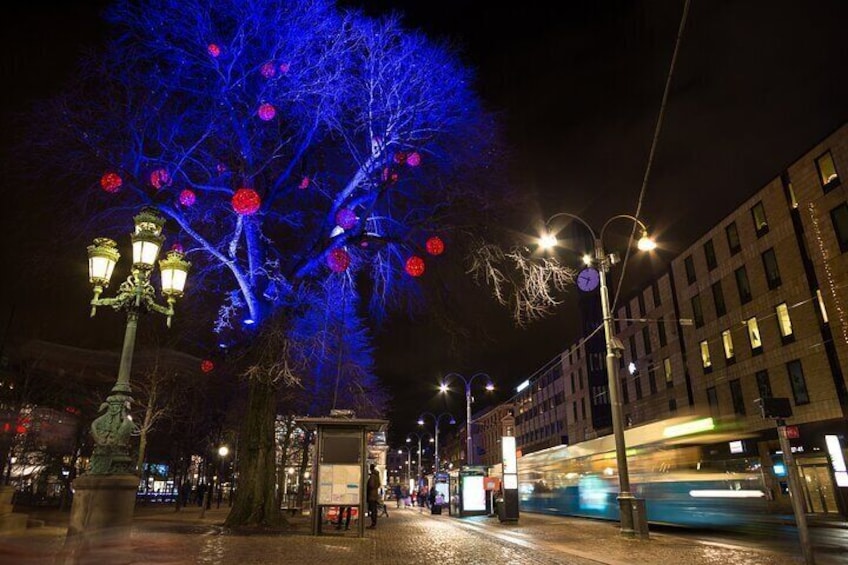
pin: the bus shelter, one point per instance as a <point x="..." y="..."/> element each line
<point x="340" y="465"/>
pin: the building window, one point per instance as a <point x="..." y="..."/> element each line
<point x="763" y="384"/>
<point x="628" y="315"/>
<point x="583" y="408"/>
<point x="727" y="341"/>
<point x="641" y="300"/>
<point x="737" y="397"/>
<point x="625" y="394"/>
<point x="646" y="339"/>
<point x="574" y="410"/>
<point x="827" y="172"/>
<point x="617" y="325"/>
<point x="573" y="388"/>
<point x="712" y="399"/>
<point x="672" y="405"/>
<point x="697" y="311"/>
<point x="669" y="377"/>
<point x="655" y="290"/>
<point x="770" y="266"/>
<point x="652" y="381"/>
<point x="689" y="265"/>
<point x="754" y="336"/>
<point x="796" y="380"/>
<point x="758" y="213"/>
<point x="839" y="217"/>
<point x="709" y="254"/>
<point x="743" y="285"/>
<point x="637" y="384"/>
<point x="733" y="238"/>
<point x="632" y="341"/>
<point x="706" y="363"/>
<point x="661" y="332"/>
<point x="784" y="322"/>
<point x="580" y="377"/>
<point x="718" y="300"/>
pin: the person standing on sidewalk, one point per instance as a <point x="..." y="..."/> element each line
<point x="373" y="495"/>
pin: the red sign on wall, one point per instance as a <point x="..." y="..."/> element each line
<point x="792" y="432"/>
<point x="491" y="483"/>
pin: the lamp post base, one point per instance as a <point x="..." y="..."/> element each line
<point x="101" y="515"/>
<point x="634" y="519"/>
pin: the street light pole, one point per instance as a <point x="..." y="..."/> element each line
<point x="631" y="510"/>
<point x="469" y="458"/>
<point x="419" y="436"/>
<point x="436" y="419"/>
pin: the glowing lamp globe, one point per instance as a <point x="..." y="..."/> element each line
<point x="160" y="178"/>
<point x="111" y="181"/>
<point x="346" y="218"/>
<point x="206" y="366"/>
<point x="102" y="257"/>
<point x="174" y="272"/>
<point x="304" y="183"/>
<point x="266" y="112"/>
<point x="338" y="260"/>
<point x="414" y="159"/>
<point x="213" y="50"/>
<point x="147" y="239"/>
<point x="187" y="197"/>
<point x="435" y="245"/>
<point x="414" y="266"/>
<point x="246" y="201"/>
<point x="268" y="70"/>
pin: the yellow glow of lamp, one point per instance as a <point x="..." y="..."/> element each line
<point x="174" y="272"/>
<point x="645" y="243"/>
<point x="147" y="239"/>
<point x="548" y="241"/>
<point x="102" y="257"/>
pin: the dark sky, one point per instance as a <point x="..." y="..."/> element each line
<point x="578" y="86"/>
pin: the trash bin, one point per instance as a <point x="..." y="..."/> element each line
<point x="436" y="509"/>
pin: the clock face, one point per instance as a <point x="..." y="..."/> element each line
<point x="588" y="279"/>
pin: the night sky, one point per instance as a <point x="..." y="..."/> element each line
<point x="578" y="86"/>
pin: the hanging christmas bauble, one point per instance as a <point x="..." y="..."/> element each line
<point x="338" y="260"/>
<point x="206" y="365"/>
<point x="246" y="201"/>
<point x="268" y="70"/>
<point x="111" y="181"/>
<point x="346" y="218"/>
<point x="187" y="197"/>
<point x="435" y="245"/>
<point x="415" y="266"/>
<point x="284" y="68"/>
<point x="221" y="168"/>
<point x="213" y="50"/>
<point x="267" y="112"/>
<point x="400" y="157"/>
<point x="389" y="176"/>
<point x="178" y="247"/>
<point x="414" y="159"/>
<point x="160" y="178"/>
<point x="304" y="183"/>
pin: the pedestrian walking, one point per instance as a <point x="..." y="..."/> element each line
<point x="373" y="495"/>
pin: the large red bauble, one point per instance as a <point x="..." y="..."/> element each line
<point x="206" y="365"/>
<point x="346" y="218"/>
<point x="268" y="70"/>
<point x="246" y="201"/>
<point x="415" y="266"/>
<point x="266" y="112"/>
<point x="160" y="178"/>
<point x="338" y="260"/>
<point x="435" y="245"/>
<point x="111" y="181"/>
<point x="304" y="183"/>
<point x="187" y="197"/>
<point x="213" y="50"/>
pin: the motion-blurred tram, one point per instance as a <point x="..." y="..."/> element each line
<point x="671" y="465"/>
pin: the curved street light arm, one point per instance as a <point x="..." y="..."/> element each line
<point x="573" y="217"/>
<point x="634" y="219"/>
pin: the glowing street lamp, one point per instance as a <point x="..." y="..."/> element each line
<point x="468" y="381"/>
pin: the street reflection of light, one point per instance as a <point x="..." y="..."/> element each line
<point x="726" y="493"/>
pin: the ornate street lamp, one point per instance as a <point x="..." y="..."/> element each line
<point x="468" y="381"/>
<point x="633" y="519"/>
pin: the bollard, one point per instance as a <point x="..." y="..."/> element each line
<point x="640" y="518"/>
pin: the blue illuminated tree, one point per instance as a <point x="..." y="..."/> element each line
<point x="306" y="156"/>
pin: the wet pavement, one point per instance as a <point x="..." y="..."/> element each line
<point x="162" y="536"/>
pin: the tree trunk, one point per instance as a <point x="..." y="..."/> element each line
<point x="284" y="457"/>
<point x="255" y="504"/>
<point x="304" y="462"/>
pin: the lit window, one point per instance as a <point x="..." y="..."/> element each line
<point x="758" y="213"/>
<point x="827" y="172"/>
<point x="822" y="307"/>
<point x="669" y="378"/>
<point x="727" y="341"/>
<point x="705" y="355"/>
<point x="783" y="321"/>
<point x="754" y="335"/>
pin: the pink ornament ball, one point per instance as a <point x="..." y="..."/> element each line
<point x="246" y="201"/>
<point x="268" y="70"/>
<point x="178" y="247"/>
<point x="304" y="183"/>
<point x="346" y="218"/>
<point x="414" y="266"/>
<point x="267" y="112"/>
<point x="435" y="245"/>
<point x="206" y="366"/>
<point x="414" y="159"/>
<point x="160" y="178"/>
<point x="187" y="197"/>
<point x="111" y="182"/>
<point x="213" y="50"/>
<point x="338" y="260"/>
<point x="284" y="67"/>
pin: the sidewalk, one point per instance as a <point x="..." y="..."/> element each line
<point x="162" y="536"/>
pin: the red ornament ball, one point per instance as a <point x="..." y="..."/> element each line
<point x="284" y="67"/>
<point x="389" y="176"/>
<point x="400" y="157"/>
<point x="213" y="50"/>
<point x="304" y="183"/>
<point x="246" y="201"/>
<point x="346" y="218"/>
<point x="178" y="247"/>
<point x="266" y="112"/>
<point x="206" y="366"/>
<point x="268" y="70"/>
<point x="338" y="260"/>
<point x="111" y="181"/>
<point x="414" y="266"/>
<point x="414" y="159"/>
<point x="20" y="429"/>
<point x="435" y="245"/>
<point x="187" y="197"/>
<point x="160" y="178"/>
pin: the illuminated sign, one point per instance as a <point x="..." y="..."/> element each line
<point x="837" y="460"/>
<point x="522" y="386"/>
<point x="510" y="465"/>
<point x="510" y="482"/>
<point x="737" y="447"/>
<point x="473" y="493"/>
